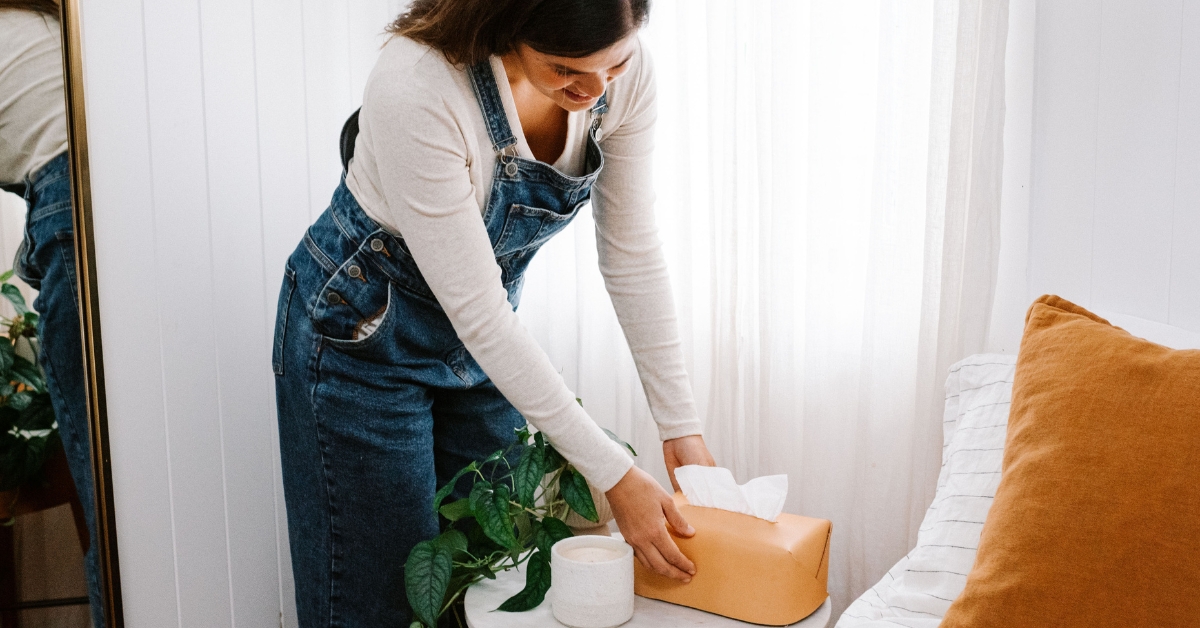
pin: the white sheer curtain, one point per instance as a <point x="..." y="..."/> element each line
<point x="828" y="195"/>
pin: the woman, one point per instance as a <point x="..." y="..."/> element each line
<point x="399" y="358"/>
<point x="33" y="161"/>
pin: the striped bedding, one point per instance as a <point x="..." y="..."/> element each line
<point x="918" y="590"/>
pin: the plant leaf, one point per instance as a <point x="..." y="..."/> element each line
<point x="482" y="491"/>
<point x="574" y="489"/>
<point x="528" y="474"/>
<point x="8" y="274"/>
<point x="503" y="500"/>
<point x="490" y="507"/>
<point x="537" y="582"/>
<point x="453" y="540"/>
<point x="6" y="358"/>
<point x="551" y="531"/>
<point x="39" y="414"/>
<point x="554" y="460"/>
<point x="20" y="401"/>
<point x="618" y="441"/>
<point x="426" y="577"/>
<point x="457" y="509"/>
<point x="13" y="294"/>
<point x="445" y="491"/>
<point x="480" y="543"/>
<point x="27" y="373"/>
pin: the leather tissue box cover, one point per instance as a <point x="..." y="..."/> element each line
<point x="747" y="568"/>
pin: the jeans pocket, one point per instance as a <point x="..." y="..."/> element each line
<point x="281" y="318"/>
<point x="356" y="295"/>
<point x="23" y="265"/>
<point x="369" y="330"/>
<point x="66" y="248"/>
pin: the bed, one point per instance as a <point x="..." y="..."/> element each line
<point x="918" y="590"/>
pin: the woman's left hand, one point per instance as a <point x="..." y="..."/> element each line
<point x="685" y="450"/>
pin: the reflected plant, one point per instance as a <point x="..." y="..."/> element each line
<point x="28" y="430"/>
<point x="512" y="516"/>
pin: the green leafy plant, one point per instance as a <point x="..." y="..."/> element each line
<point x="28" y="430"/>
<point x="512" y="515"/>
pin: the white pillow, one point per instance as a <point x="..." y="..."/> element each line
<point x="918" y="590"/>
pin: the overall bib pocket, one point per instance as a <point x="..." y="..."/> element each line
<point x="528" y="227"/>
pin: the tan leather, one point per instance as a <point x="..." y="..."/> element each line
<point x="1097" y="515"/>
<point x="747" y="568"/>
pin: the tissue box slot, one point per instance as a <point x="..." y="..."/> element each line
<point x="746" y="568"/>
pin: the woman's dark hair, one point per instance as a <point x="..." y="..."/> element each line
<point x="49" y="7"/>
<point x="469" y="31"/>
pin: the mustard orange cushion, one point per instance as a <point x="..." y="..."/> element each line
<point x="1096" y="521"/>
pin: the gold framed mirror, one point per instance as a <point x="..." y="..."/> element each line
<point x="85" y="256"/>
<point x="58" y="556"/>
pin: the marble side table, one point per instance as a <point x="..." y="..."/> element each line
<point x="484" y="597"/>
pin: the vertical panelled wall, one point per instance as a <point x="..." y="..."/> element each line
<point x="213" y="130"/>
<point x="1115" y="205"/>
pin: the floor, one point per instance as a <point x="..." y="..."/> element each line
<point x="49" y="564"/>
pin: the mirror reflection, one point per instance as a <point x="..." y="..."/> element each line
<point x="48" y="561"/>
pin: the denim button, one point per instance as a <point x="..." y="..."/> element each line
<point x="511" y="169"/>
<point x="333" y="298"/>
<point x="354" y="271"/>
<point x="377" y="245"/>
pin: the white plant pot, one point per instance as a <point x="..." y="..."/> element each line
<point x="591" y="581"/>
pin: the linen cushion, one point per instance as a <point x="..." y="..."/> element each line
<point x="917" y="591"/>
<point x="1096" y="519"/>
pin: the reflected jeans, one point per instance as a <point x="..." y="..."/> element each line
<point x="46" y="261"/>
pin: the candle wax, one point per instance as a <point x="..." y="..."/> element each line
<point x="591" y="554"/>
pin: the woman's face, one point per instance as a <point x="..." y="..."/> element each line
<point x="576" y="84"/>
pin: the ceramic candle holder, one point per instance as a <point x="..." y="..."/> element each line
<point x="591" y="581"/>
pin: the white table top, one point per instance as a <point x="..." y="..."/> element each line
<point x="484" y="597"/>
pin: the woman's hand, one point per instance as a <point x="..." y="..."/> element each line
<point x="641" y="508"/>
<point x="685" y="450"/>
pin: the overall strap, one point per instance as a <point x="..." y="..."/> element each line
<point x="483" y="83"/>
<point x="598" y="110"/>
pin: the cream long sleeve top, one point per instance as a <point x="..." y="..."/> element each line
<point x="33" y="123"/>
<point x="423" y="167"/>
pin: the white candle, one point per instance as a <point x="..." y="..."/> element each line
<point x="591" y="582"/>
<point x="592" y="554"/>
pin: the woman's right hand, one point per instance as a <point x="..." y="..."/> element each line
<point x="641" y="508"/>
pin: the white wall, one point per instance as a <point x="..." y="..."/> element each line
<point x="213" y="131"/>
<point x="12" y="230"/>
<point x="1114" y="208"/>
<point x="1012" y="280"/>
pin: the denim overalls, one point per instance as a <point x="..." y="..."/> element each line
<point x="46" y="261"/>
<point x="371" y="424"/>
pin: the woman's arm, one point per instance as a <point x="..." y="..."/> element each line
<point x="632" y="261"/>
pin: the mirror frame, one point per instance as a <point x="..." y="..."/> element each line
<point x="89" y="315"/>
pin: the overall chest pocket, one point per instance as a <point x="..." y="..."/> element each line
<point x="527" y="228"/>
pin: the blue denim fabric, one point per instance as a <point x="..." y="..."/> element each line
<point x="370" y="426"/>
<point x="46" y="261"/>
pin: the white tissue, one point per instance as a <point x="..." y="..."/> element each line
<point x="714" y="487"/>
